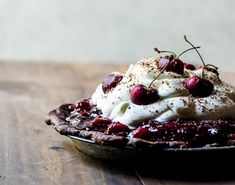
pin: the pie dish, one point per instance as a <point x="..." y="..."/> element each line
<point x="220" y="156"/>
<point x="161" y="103"/>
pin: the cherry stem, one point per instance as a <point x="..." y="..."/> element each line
<point x="163" y="69"/>
<point x="164" y="51"/>
<point x="202" y="75"/>
<point x="185" y="38"/>
<point x="187" y="51"/>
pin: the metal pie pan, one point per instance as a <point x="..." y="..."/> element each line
<point x="210" y="155"/>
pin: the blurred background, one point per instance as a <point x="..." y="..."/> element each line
<point x="120" y="31"/>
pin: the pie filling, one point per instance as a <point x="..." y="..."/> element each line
<point x="85" y="120"/>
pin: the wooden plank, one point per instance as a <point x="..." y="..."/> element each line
<point x="32" y="152"/>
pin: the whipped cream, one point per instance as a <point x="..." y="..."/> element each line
<point x="175" y="100"/>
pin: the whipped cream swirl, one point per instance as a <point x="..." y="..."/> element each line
<point x="175" y="100"/>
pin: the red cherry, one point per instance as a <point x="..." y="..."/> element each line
<point x="175" y="65"/>
<point x="110" y="82"/>
<point x="199" y="87"/>
<point x="116" y="128"/>
<point x="160" y="131"/>
<point x="189" y="66"/>
<point x="231" y="136"/>
<point x="163" y="61"/>
<point x="141" y="132"/>
<point x="171" y="126"/>
<point x="101" y="122"/>
<point x="141" y="95"/>
<point x="186" y="131"/>
<point x="84" y="106"/>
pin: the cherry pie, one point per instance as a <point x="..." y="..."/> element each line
<point x="159" y="102"/>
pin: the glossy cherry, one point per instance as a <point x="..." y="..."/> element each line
<point x="110" y="82"/>
<point x="189" y="66"/>
<point x="142" y="95"/>
<point x="231" y="136"/>
<point x="186" y="131"/>
<point x="101" y="122"/>
<point x="84" y="106"/>
<point x="141" y="132"/>
<point x="198" y="86"/>
<point x="115" y="128"/>
<point x="175" y="65"/>
<point x="171" y="126"/>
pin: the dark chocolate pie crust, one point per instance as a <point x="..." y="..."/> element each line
<point x="85" y="120"/>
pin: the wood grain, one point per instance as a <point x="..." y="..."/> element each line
<point x="32" y="152"/>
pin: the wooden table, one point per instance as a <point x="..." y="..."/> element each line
<point x="33" y="153"/>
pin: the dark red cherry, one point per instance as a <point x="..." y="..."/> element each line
<point x="199" y="87"/>
<point x="84" y="106"/>
<point x="142" y="133"/>
<point x="110" y="82"/>
<point x="231" y="136"/>
<point x="186" y="131"/>
<point x="175" y="65"/>
<point x="171" y="126"/>
<point x="189" y="66"/>
<point x="163" y="61"/>
<point x="160" y="131"/>
<point x="141" y="95"/>
<point x="101" y="122"/>
<point x="116" y="128"/>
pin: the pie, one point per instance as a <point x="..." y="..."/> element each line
<point x="159" y="102"/>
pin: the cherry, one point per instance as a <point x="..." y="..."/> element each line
<point x="199" y="87"/>
<point x="110" y="82"/>
<point x="141" y="95"/>
<point x="164" y="60"/>
<point x="172" y="63"/>
<point x="175" y="65"/>
<point x="189" y="66"/>
<point x="84" y="106"/>
<point x="225" y="127"/>
<point x="186" y="131"/>
<point x="160" y="131"/>
<point x="116" y="128"/>
<point x="231" y="136"/>
<point x="101" y="122"/>
<point x="142" y="132"/>
<point x="171" y="126"/>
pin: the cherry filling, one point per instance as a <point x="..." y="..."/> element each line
<point x="84" y="107"/>
<point x="194" y="133"/>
